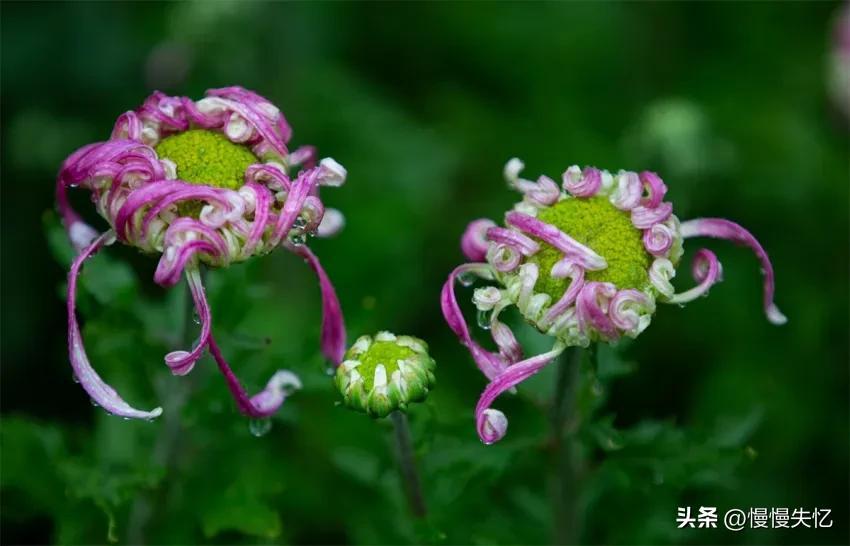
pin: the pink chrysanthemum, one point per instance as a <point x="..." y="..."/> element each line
<point x="201" y="182"/>
<point x="582" y="262"/>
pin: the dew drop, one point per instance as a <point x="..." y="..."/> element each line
<point x="93" y="403"/>
<point x="299" y="223"/>
<point x="467" y="278"/>
<point x="259" y="427"/>
<point x="196" y="318"/>
<point x="75" y="378"/>
<point x="330" y="371"/>
<point x="297" y="239"/>
<point x="483" y="319"/>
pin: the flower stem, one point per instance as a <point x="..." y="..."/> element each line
<point x="173" y="393"/>
<point x="407" y="464"/>
<point x="565" y="481"/>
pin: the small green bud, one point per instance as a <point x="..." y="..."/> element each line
<point x="384" y="373"/>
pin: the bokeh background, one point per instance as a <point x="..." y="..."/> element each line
<point x="423" y="103"/>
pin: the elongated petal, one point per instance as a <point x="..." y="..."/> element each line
<point x="582" y="254"/>
<point x="720" y="228"/>
<point x="102" y="394"/>
<point x="489" y="363"/>
<point x="511" y="237"/>
<point x="492" y="424"/>
<point x="182" y="362"/>
<point x="266" y="402"/>
<point x="333" y="324"/>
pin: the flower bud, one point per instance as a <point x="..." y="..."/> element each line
<point x="384" y="373"/>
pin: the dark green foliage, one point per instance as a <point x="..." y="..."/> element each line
<point x="423" y="104"/>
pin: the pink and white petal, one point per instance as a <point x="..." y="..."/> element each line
<point x="101" y="393"/>
<point x="182" y="362"/>
<point x="492" y="424"/>
<point x="720" y="228"/>
<point x="333" y="324"/>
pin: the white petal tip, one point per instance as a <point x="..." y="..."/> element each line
<point x="775" y="316"/>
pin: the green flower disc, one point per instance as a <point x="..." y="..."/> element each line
<point x="608" y="231"/>
<point x="207" y="158"/>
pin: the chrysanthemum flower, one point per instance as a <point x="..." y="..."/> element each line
<point x="385" y="373"/>
<point x="207" y="182"/>
<point x="583" y="262"/>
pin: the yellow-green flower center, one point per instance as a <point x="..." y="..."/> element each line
<point x="606" y="230"/>
<point x="387" y="353"/>
<point x="208" y="158"/>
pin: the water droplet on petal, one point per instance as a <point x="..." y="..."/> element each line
<point x="93" y="403"/>
<point x="297" y="239"/>
<point x="483" y="319"/>
<point x="75" y="378"/>
<point x="299" y="223"/>
<point x="467" y="278"/>
<point x="330" y="371"/>
<point x="259" y="427"/>
<point x="196" y="318"/>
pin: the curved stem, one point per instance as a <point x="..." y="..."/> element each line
<point x="407" y="464"/>
<point x="565" y="469"/>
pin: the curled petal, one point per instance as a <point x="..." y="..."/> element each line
<point x="654" y="187"/>
<point x="101" y="393"/>
<point x="281" y="384"/>
<point x="720" y="228"/>
<point x="561" y="269"/>
<point x="182" y="362"/>
<point x="331" y="173"/>
<point x="631" y="311"/>
<point x="264" y="403"/>
<point x="513" y="167"/>
<point x="658" y="240"/>
<point x="492" y="424"/>
<point x="627" y="191"/>
<point x="706" y="271"/>
<point x="582" y="183"/>
<point x="489" y="363"/>
<point x="643" y="217"/>
<point x="332" y="223"/>
<point x="592" y="307"/>
<point x="474" y="242"/>
<point x="582" y="255"/>
<point x="660" y="273"/>
<point x="485" y="299"/>
<point x="523" y="244"/>
<point x="503" y="257"/>
<point x="505" y="339"/>
<point x="333" y="325"/>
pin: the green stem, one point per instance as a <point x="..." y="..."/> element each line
<point x="565" y="481"/>
<point x="173" y="394"/>
<point x="407" y="464"/>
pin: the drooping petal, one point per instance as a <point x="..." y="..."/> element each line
<point x="489" y="363"/>
<point x="101" y="393"/>
<point x="706" y="271"/>
<point x="266" y="402"/>
<point x="182" y="362"/>
<point x="333" y="324"/>
<point x="720" y="228"/>
<point x="474" y="241"/>
<point x="492" y="424"/>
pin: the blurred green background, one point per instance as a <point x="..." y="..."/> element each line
<point x="423" y="103"/>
